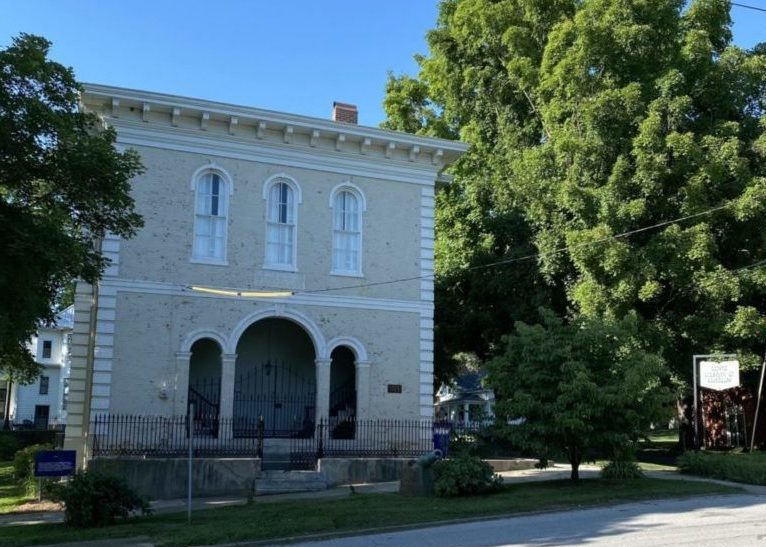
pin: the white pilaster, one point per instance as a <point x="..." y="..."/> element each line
<point x="426" y="390"/>
<point x="323" y="388"/>
<point x="181" y="393"/>
<point x="362" y="390"/>
<point x="226" y="412"/>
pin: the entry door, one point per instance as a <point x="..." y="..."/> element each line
<point x="42" y="413"/>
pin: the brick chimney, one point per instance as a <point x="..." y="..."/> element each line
<point x="343" y="112"/>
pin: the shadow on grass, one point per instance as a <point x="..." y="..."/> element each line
<point x="362" y="511"/>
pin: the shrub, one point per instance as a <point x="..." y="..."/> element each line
<point x="24" y="461"/>
<point x="748" y="468"/>
<point x="621" y="469"/>
<point x="24" y="468"/>
<point x="464" y="476"/>
<point x="92" y="499"/>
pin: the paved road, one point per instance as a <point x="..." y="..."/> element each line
<point x="731" y="521"/>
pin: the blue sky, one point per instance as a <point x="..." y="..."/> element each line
<point x="291" y="55"/>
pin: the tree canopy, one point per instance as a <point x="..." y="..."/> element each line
<point x="63" y="186"/>
<point x="583" y="389"/>
<point x="589" y="120"/>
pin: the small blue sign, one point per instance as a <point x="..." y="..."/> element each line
<point x="55" y="463"/>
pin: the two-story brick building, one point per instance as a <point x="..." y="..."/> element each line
<point x="284" y="269"/>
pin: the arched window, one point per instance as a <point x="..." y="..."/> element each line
<point x="280" y="226"/>
<point x="347" y="234"/>
<point x="210" y="218"/>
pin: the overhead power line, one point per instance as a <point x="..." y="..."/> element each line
<point x="533" y="255"/>
<point x="746" y="6"/>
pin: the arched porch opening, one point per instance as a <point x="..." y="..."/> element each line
<point x="205" y="385"/>
<point x="342" y="392"/>
<point x="275" y="379"/>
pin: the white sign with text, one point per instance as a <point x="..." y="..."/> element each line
<point x="719" y="375"/>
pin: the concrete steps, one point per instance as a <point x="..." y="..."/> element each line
<point x="282" y="482"/>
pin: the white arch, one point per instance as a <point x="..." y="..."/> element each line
<point x="311" y="328"/>
<point x="352" y="343"/>
<point x="212" y="168"/>
<point x="283" y="177"/>
<point x="354" y="189"/>
<point x="192" y="337"/>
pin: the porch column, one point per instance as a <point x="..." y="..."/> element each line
<point x="181" y="383"/>
<point x="323" y="389"/>
<point x="362" y="390"/>
<point x="226" y="411"/>
<point x="466" y="411"/>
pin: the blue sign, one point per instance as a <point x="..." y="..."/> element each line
<point x="55" y="463"/>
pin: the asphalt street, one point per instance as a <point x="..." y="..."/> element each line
<point x="730" y="521"/>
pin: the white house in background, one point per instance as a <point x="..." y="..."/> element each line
<point x="42" y="404"/>
<point x="284" y="269"/>
<point x="466" y="400"/>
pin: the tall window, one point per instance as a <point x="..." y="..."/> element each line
<point x="347" y="234"/>
<point x="210" y="219"/>
<point x="280" y="226"/>
<point x="65" y="395"/>
<point x="44" y="383"/>
<point x="47" y="348"/>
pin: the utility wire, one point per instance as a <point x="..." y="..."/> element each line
<point x="755" y="8"/>
<point x="753" y="266"/>
<point x="533" y="255"/>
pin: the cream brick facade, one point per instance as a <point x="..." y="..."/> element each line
<point x="134" y="332"/>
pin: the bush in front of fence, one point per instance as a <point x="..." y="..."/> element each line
<point x="465" y="476"/>
<point x="749" y="468"/>
<point x="24" y="465"/>
<point x="92" y="499"/>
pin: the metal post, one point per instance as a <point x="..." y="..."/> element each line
<point x="758" y="404"/>
<point x="694" y="405"/>
<point x="191" y="443"/>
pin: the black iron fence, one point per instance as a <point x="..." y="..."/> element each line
<point x="334" y="437"/>
<point x="348" y="437"/>
<point x="170" y="436"/>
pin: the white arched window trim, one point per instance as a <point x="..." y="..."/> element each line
<point x="274" y="226"/>
<point x="224" y="197"/>
<point x="353" y="238"/>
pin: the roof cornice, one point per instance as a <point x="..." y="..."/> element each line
<point x="260" y="124"/>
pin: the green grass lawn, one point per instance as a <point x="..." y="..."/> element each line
<point x="659" y="451"/>
<point x="11" y="493"/>
<point x="733" y="466"/>
<point x="360" y="511"/>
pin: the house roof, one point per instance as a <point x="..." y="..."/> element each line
<point x="470" y="381"/>
<point x="63" y="320"/>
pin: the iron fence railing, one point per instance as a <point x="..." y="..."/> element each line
<point x="334" y="437"/>
<point x="168" y="436"/>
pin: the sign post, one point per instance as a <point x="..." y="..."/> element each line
<point x="715" y="371"/>
<point x="758" y="404"/>
<point x="191" y="445"/>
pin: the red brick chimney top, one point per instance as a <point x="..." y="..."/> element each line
<point x="344" y="112"/>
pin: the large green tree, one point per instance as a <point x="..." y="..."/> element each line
<point x="62" y="188"/>
<point x="585" y="388"/>
<point x="589" y="119"/>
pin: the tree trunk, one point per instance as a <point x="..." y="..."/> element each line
<point x="574" y="460"/>
<point x="7" y="406"/>
<point x="575" y="475"/>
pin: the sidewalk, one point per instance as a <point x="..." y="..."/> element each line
<point x="555" y="472"/>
